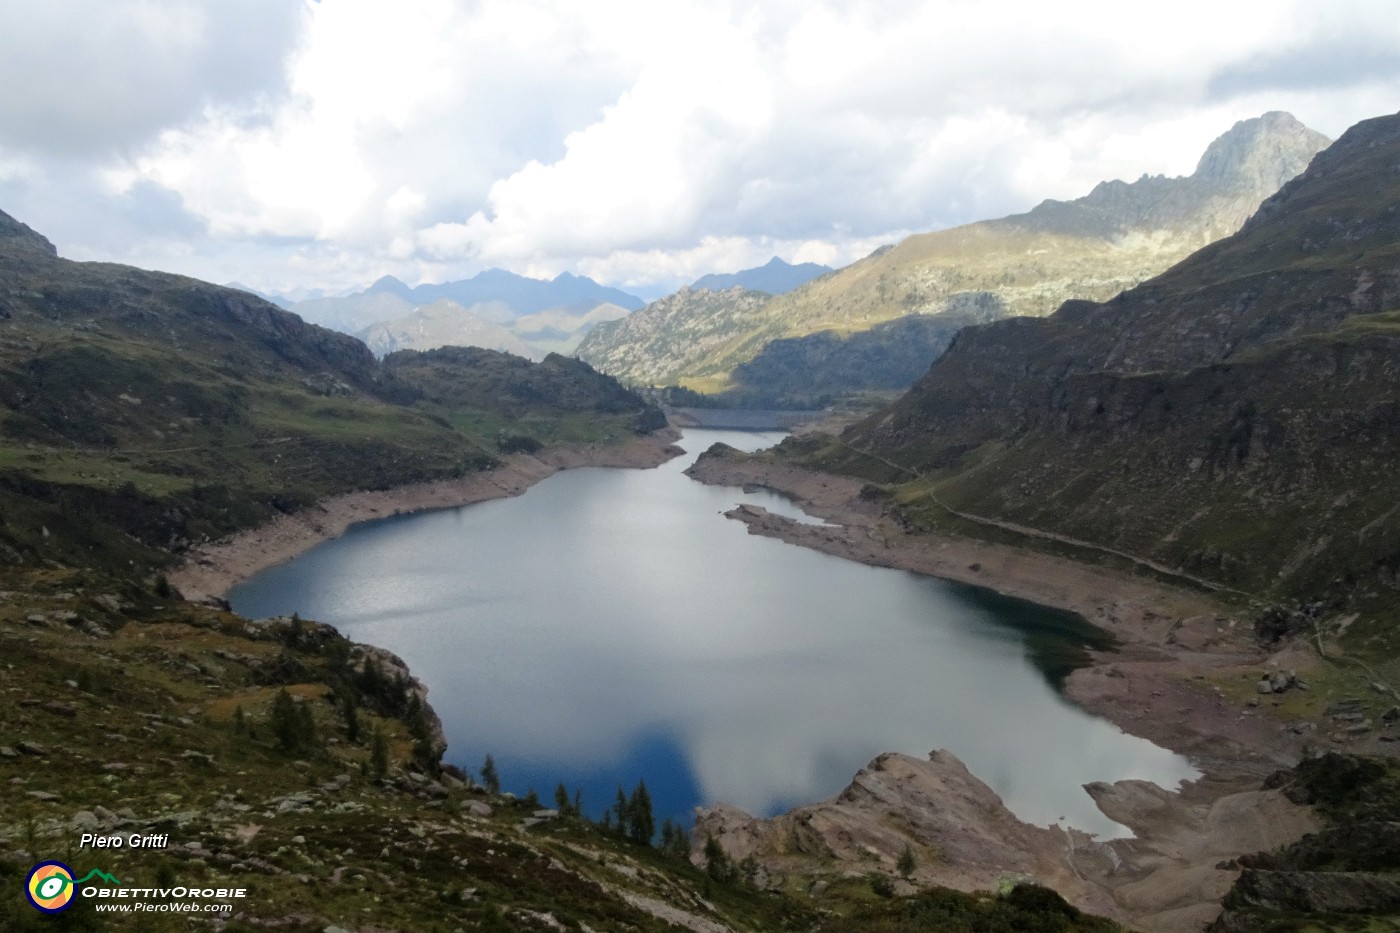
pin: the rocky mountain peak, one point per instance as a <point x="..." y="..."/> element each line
<point x="13" y="233"/>
<point x="1259" y="154"/>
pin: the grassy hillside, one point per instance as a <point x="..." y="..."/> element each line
<point x="140" y="412"/>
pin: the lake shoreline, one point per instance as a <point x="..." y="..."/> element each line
<point x="210" y="571"/>
<point x="1147" y="687"/>
<point x="1159" y="683"/>
<point x="1157" y="627"/>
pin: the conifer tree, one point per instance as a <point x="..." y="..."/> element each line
<point x="379" y="754"/>
<point x="642" y="825"/>
<point x="623" y="812"/>
<point x="489" y="778"/>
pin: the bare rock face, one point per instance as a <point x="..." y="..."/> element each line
<point x="958" y="829"/>
<point x="1169" y="877"/>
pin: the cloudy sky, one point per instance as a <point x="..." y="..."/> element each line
<point x="292" y="144"/>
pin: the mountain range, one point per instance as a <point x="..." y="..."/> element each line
<point x="775" y="277"/>
<point x="494" y="309"/>
<point x="1234" y="419"/>
<point x="1091" y="248"/>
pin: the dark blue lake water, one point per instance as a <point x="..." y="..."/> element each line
<point x="611" y="625"/>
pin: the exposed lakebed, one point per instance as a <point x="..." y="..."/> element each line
<point x="611" y="625"/>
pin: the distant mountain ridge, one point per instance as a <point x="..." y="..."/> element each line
<point x="1092" y="248"/>
<point x="440" y="324"/>
<point x="521" y="294"/>
<point x="774" y="277"/>
<point x="495" y="310"/>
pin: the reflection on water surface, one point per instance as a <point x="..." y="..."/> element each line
<point x="610" y="625"/>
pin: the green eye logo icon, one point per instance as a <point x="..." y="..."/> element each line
<point x="50" y="887"/>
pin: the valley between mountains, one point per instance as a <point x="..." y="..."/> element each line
<point x="1194" y="455"/>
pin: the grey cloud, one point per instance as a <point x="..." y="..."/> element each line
<point x="68" y="206"/>
<point x="1334" y="62"/>
<point x="88" y="77"/>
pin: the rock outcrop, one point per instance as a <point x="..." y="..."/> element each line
<point x="1168" y="877"/>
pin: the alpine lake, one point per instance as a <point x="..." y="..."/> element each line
<point x="612" y="625"/>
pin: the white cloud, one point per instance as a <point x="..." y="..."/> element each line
<point x="89" y="77"/>
<point x="635" y="142"/>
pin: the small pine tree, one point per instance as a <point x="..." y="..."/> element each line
<point x="675" y="841"/>
<point x="286" y="722"/>
<point x="561" y="800"/>
<point x="643" y="824"/>
<point x="348" y="708"/>
<point x="622" y="812"/>
<point x="379" y="754"/>
<point x="371" y="680"/>
<point x="240" y="722"/>
<point x="906" y="863"/>
<point x="532" y="799"/>
<point x="578" y="803"/>
<point x="489" y="778"/>
<point x="717" y="863"/>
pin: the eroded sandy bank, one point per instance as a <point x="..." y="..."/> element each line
<point x="212" y="570"/>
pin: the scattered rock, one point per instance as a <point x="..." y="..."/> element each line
<point x="1279" y="682"/>
<point x="32" y="748"/>
<point x="1347" y="705"/>
<point x="43" y="796"/>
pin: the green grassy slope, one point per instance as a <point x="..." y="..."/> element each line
<point x="140" y="412"/>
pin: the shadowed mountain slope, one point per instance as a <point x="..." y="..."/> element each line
<point x="1235" y="418"/>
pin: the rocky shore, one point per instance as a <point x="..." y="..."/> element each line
<point x="209" y="572"/>
<point x="1163" y="682"/>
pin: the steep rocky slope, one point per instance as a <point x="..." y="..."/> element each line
<point x="1091" y="248"/>
<point x="1233" y="418"/>
<point x="655" y="345"/>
